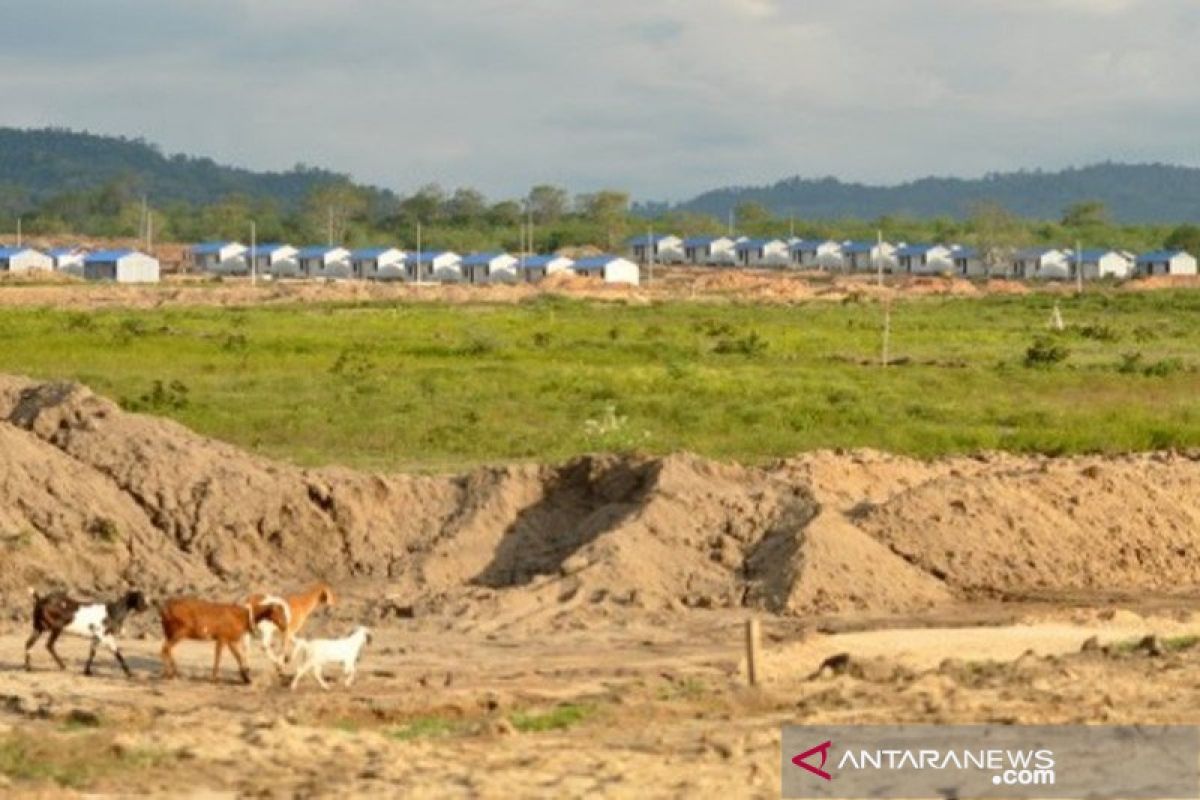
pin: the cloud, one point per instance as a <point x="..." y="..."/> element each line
<point x="662" y="97"/>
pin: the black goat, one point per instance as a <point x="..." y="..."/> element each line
<point x="56" y="614"/>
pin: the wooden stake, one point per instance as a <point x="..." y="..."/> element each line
<point x="753" y="650"/>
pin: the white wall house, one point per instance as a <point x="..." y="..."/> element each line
<point x="434" y="265"/>
<point x="1044" y="263"/>
<point x="23" y="259"/>
<point x="968" y="263"/>
<point x="274" y="258"/>
<point x="817" y="254"/>
<point x="667" y="249"/>
<point x="490" y="268"/>
<point x="712" y="250"/>
<point x="869" y="256"/>
<point x="322" y="261"/>
<point x="538" y="267"/>
<point x="377" y="263"/>
<point x="762" y="253"/>
<point x="1098" y="264"/>
<point x="1166" y="262"/>
<point x="611" y="269"/>
<point x="222" y="257"/>
<point x="122" y="266"/>
<point x="924" y="259"/>
<point x="68" y="259"/>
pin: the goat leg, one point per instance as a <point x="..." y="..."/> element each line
<point x="50" y="646"/>
<point x="87" y="668"/>
<point x="169" y="669"/>
<point x="217" y="659"/>
<point x="28" y="647"/>
<point x="236" y="649"/>
<point x="350" y="671"/>
<point x="320" y="678"/>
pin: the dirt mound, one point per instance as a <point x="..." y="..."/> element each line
<point x="92" y="496"/>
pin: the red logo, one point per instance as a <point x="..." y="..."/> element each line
<point x="823" y="749"/>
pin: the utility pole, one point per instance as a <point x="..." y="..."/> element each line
<point x="417" y="273"/>
<point x="649" y="256"/>
<point x="887" y="332"/>
<point x="731" y="223"/>
<point x="142" y="226"/>
<point x="149" y="234"/>
<point x="879" y="257"/>
<point x="18" y="231"/>
<point x="330" y="209"/>
<point x="253" y="255"/>
<point x="1078" y="267"/>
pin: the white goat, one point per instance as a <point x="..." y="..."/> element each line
<point x="313" y="654"/>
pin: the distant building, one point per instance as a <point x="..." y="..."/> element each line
<point x="321" y="261"/>
<point x="1042" y="263"/>
<point x="869" y="256"/>
<point x="968" y="263"/>
<point x="23" y="259"/>
<point x="377" y="263"/>
<point x="1166" y="262"/>
<point x="121" y="266"/>
<point x="924" y="259"/>
<point x="490" y="268"/>
<point x="433" y="265"/>
<point x="68" y="259"/>
<point x="711" y="250"/>
<point x="223" y="257"/>
<point x="539" y="267"/>
<point x="762" y="253"/>
<point x="612" y="269"/>
<point x="1098" y="264"/>
<point x="816" y="254"/>
<point x="667" y="249"/>
<point x="274" y="258"/>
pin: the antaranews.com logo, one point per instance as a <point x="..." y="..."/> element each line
<point x="991" y="761"/>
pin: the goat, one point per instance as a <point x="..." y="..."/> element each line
<point x="57" y="614"/>
<point x="313" y="654"/>
<point x="225" y="624"/>
<point x="300" y="607"/>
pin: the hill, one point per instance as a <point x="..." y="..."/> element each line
<point x="1133" y="193"/>
<point x="38" y="164"/>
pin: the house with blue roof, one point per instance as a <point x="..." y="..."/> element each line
<point x="709" y="250"/>
<point x="762" y="253"/>
<point x="608" y="268"/>
<point x="433" y="265"/>
<point x="666" y="248"/>
<point x="222" y="257"/>
<point x="67" y="259"/>
<point x="968" y="262"/>
<point x="1166" y="262"/>
<point x="377" y="263"/>
<point x="924" y="259"/>
<point x="121" y="266"/>
<point x="1101" y="263"/>
<point x="24" y="259"/>
<point x="274" y="258"/>
<point x="539" y="267"/>
<point x="868" y="256"/>
<point x="816" y="254"/>
<point x="493" y="267"/>
<point x="1043" y="263"/>
<point x="324" y="261"/>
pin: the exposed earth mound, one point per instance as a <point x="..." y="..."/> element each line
<point x="93" y="497"/>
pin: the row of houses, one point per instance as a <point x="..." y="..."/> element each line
<point x="912" y="259"/>
<point x="121" y="266"/>
<point x="392" y="263"/>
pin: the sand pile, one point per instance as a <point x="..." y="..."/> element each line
<point x="93" y="497"/>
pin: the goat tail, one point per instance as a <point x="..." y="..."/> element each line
<point x="275" y="600"/>
<point x="33" y="593"/>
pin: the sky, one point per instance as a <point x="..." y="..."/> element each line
<point x="661" y="98"/>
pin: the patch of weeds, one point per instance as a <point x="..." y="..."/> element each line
<point x="129" y="329"/>
<point x="427" y="728"/>
<point x="476" y="346"/>
<point x="1131" y="363"/>
<point x="614" y="333"/>
<point x="653" y="331"/>
<point x="541" y="339"/>
<point x="357" y="371"/>
<point x="714" y="328"/>
<point x="611" y="431"/>
<point x="104" y="529"/>
<point x="74" y="763"/>
<point x="1144" y="333"/>
<point x="235" y="342"/>
<point x="162" y="397"/>
<point x="80" y="321"/>
<point x="1045" y="352"/>
<point x="749" y="345"/>
<point x="1135" y="364"/>
<point x="561" y="718"/>
<point x="687" y="688"/>
<point x="1098" y="332"/>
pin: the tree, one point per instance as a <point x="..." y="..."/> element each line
<point x="426" y="205"/>
<point x="1185" y="237"/>
<point x="996" y="231"/>
<point x="752" y="215"/>
<point x="608" y="210"/>
<point x="466" y="206"/>
<point x="330" y="208"/>
<point x="505" y="214"/>
<point x="1088" y="213"/>
<point x="547" y="203"/>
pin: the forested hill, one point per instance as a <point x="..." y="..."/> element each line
<point x="1134" y="193"/>
<point x="39" y="164"/>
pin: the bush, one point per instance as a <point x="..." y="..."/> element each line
<point x="171" y="396"/>
<point x="749" y="345"/>
<point x="1045" y="352"/>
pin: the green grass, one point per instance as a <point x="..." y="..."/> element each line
<point x="77" y="761"/>
<point x="428" y="728"/>
<point x="431" y="386"/>
<point x="559" y="718"/>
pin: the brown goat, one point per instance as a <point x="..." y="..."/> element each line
<point x="225" y="624"/>
<point x="300" y="607"/>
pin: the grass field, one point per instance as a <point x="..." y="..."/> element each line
<point x="429" y="386"/>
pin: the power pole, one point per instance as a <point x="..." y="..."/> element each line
<point x="253" y="255"/>
<point x="879" y="257"/>
<point x="1078" y="267"/>
<point x="142" y="226"/>
<point x="330" y="209"/>
<point x="887" y="332"/>
<point x="649" y="256"/>
<point x="731" y="223"/>
<point x="417" y="273"/>
<point x="18" y="231"/>
<point x="149" y="234"/>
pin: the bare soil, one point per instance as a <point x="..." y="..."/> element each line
<point x="576" y="629"/>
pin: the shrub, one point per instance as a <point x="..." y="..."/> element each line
<point x="171" y="396"/>
<point x="749" y="345"/>
<point x="1045" y="352"/>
